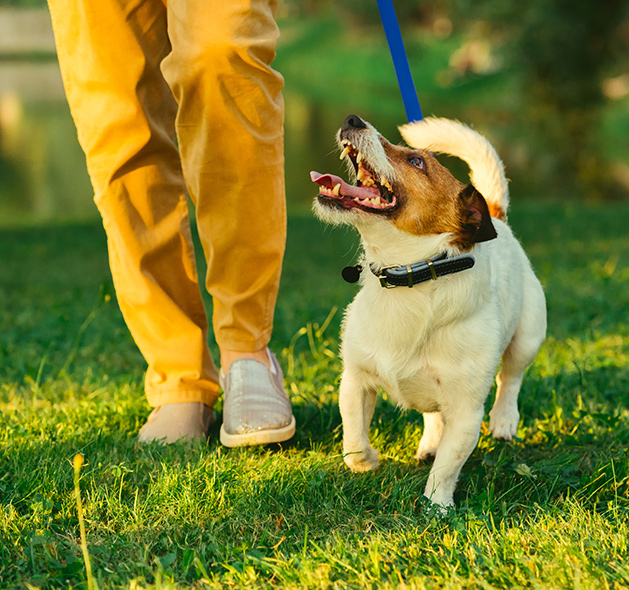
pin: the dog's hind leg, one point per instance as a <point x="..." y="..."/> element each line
<point x="433" y="429"/>
<point x="461" y="431"/>
<point x="528" y="337"/>
<point x="504" y="416"/>
<point x="357" y="400"/>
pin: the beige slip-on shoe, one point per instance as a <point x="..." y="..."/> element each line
<point x="171" y="423"/>
<point x="256" y="409"/>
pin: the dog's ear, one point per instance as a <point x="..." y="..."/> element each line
<point x="475" y="219"/>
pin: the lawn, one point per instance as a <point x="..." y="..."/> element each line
<point x="549" y="510"/>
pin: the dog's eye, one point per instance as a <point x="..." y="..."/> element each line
<point x="417" y="162"/>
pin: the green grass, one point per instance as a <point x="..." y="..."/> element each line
<point x="549" y="510"/>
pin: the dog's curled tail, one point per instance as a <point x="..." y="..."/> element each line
<point x="456" y="139"/>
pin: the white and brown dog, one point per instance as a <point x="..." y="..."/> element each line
<point x="447" y="292"/>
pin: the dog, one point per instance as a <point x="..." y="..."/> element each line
<point x="447" y="292"/>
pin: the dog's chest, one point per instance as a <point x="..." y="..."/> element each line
<point x="418" y="353"/>
<point x="416" y="380"/>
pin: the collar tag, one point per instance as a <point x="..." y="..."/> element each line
<point x="351" y="274"/>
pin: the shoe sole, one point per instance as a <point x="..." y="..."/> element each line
<point x="259" y="437"/>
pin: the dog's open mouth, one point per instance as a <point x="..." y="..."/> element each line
<point x="372" y="192"/>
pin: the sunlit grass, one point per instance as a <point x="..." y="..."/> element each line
<point x="549" y="510"/>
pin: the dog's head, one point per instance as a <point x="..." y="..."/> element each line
<point x="405" y="187"/>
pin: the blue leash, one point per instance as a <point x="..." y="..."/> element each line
<point x="400" y="60"/>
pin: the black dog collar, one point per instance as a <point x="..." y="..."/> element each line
<point x="413" y="274"/>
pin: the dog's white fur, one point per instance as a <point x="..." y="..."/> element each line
<point x="436" y="347"/>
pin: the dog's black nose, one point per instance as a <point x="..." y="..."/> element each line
<point x="354" y="122"/>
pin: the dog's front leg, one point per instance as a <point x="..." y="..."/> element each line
<point x="461" y="431"/>
<point x="357" y="401"/>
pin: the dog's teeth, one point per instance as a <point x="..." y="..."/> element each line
<point x="345" y="152"/>
<point x="384" y="182"/>
<point x="359" y="158"/>
<point x="337" y="190"/>
<point x="360" y="175"/>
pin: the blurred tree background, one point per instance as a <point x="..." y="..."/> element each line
<point x="566" y="50"/>
<point x="562" y="61"/>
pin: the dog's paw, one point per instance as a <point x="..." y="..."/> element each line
<point x="425" y="452"/>
<point x="431" y="437"/>
<point x="366" y="460"/>
<point x="439" y="504"/>
<point x="503" y="423"/>
<point x="428" y="445"/>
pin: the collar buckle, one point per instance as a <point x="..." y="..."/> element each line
<point x="382" y="277"/>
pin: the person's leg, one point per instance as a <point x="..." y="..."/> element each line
<point x="230" y="130"/>
<point x="110" y="57"/>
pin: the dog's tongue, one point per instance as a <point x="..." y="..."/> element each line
<point x="329" y="181"/>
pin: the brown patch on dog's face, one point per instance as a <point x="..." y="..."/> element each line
<point x="432" y="201"/>
<point x="427" y="191"/>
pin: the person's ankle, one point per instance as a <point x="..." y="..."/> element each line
<point x="229" y="356"/>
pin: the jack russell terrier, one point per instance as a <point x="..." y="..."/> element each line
<point x="446" y="292"/>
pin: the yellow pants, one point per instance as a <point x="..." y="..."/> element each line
<point x="163" y="91"/>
